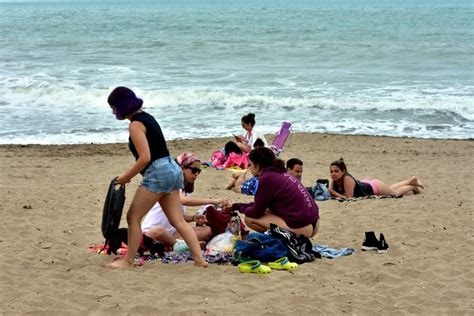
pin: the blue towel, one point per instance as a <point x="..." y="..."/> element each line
<point x="331" y="253"/>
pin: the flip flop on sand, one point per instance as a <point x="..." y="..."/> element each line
<point x="254" y="266"/>
<point x="283" y="264"/>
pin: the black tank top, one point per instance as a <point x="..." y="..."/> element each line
<point x="360" y="189"/>
<point x="154" y="136"/>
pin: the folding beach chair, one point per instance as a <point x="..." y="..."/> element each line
<point x="280" y="138"/>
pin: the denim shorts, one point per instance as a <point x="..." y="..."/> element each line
<point x="163" y="175"/>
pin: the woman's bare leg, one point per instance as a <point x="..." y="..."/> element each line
<point x="413" y="181"/>
<point x="231" y="184"/>
<point x="162" y="235"/>
<point x="171" y="205"/>
<point x="240" y="180"/>
<point x="142" y="202"/>
<point x="401" y="188"/>
<point x="244" y="147"/>
<point x="203" y="234"/>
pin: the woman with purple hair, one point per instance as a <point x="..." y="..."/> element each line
<point x="162" y="177"/>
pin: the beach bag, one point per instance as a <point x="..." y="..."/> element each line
<point x="111" y="215"/>
<point x="260" y="246"/>
<point x="320" y="192"/>
<point x="217" y="158"/>
<point x="300" y="250"/>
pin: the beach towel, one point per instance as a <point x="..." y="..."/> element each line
<point x="167" y="257"/>
<point x="331" y="253"/>
<point x="368" y="197"/>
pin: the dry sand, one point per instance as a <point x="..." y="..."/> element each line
<point x="46" y="269"/>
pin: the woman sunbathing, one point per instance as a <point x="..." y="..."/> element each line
<point x="344" y="185"/>
<point x="281" y="199"/>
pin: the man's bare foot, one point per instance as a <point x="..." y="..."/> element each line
<point x="120" y="264"/>
<point x="200" y="263"/>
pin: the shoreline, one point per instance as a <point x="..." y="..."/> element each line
<point x="224" y="138"/>
<point x="46" y="267"/>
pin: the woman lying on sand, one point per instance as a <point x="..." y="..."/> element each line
<point x="162" y="177"/>
<point x="281" y="199"/>
<point x="344" y="185"/>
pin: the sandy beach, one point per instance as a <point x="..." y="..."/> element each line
<point x="51" y="208"/>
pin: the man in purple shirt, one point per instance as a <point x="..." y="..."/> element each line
<point x="280" y="199"/>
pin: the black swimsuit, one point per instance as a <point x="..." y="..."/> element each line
<point x="361" y="188"/>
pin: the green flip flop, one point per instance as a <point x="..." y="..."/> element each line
<point x="254" y="266"/>
<point x="283" y="264"/>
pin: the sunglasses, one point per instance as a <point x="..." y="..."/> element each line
<point x="194" y="170"/>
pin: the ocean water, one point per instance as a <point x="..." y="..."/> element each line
<point x="397" y="68"/>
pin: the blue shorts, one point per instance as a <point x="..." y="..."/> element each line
<point x="163" y="175"/>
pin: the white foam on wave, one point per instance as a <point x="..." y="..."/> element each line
<point x="78" y="114"/>
<point x="458" y="101"/>
<point x="43" y="89"/>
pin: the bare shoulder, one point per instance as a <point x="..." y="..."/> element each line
<point x="136" y="126"/>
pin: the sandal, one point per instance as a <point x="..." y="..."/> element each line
<point x="283" y="264"/>
<point x="254" y="266"/>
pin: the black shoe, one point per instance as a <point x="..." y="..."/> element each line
<point x="157" y="249"/>
<point x="383" y="246"/>
<point x="370" y="242"/>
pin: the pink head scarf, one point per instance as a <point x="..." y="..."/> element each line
<point x="186" y="158"/>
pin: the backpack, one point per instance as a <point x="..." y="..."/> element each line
<point x="320" y="192"/>
<point x="217" y="158"/>
<point x="260" y="246"/>
<point x="112" y="213"/>
<point x="300" y="249"/>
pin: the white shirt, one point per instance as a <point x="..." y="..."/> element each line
<point x="254" y="135"/>
<point x="156" y="217"/>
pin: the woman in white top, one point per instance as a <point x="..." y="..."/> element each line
<point x="156" y="225"/>
<point x="246" y="143"/>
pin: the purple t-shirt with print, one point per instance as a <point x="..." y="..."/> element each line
<point x="285" y="196"/>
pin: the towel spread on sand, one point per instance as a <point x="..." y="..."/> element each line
<point x="169" y="257"/>
<point x="220" y="258"/>
<point x="369" y="197"/>
<point x="331" y="253"/>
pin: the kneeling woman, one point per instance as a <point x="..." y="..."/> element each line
<point x="280" y="199"/>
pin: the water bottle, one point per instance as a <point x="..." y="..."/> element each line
<point x="234" y="227"/>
